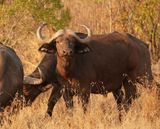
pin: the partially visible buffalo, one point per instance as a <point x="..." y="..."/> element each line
<point x="11" y="75"/>
<point x="105" y="61"/>
<point x="41" y="79"/>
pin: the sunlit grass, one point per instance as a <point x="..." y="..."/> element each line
<point x="102" y="114"/>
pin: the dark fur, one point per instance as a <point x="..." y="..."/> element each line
<point x="111" y="58"/>
<point x="47" y="66"/>
<point x="11" y="75"/>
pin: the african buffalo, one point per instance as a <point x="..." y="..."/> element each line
<point x="101" y="61"/>
<point x="11" y="75"/>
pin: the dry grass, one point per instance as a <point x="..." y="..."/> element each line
<point x="93" y="14"/>
<point x="102" y="112"/>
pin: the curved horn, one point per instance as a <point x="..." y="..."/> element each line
<point x="84" y="40"/>
<point x="39" y="32"/>
<point x="54" y="36"/>
<point x="32" y="80"/>
<point x="89" y="32"/>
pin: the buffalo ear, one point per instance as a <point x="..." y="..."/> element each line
<point x="48" y="48"/>
<point x="81" y="48"/>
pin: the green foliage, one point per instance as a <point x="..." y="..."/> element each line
<point x="20" y="18"/>
<point x="147" y="17"/>
<point x="50" y="11"/>
<point x="142" y="18"/>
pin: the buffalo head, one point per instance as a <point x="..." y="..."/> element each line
<point x="65" y="42"/>
<point x="34" y="84"/>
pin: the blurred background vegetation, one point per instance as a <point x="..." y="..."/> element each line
<point x="19" y="20"/>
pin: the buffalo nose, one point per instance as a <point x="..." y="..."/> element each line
<point x="69" y="52"/>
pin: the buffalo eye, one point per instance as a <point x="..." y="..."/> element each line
<point x="82" y="48"/>
<point x="47" y="48"/>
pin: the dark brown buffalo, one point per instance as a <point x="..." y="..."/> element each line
<point x="44" y="77"/>
<point x="40" y="79"/>
<point x="102" y="60"/>
<point x="11" y="75"/>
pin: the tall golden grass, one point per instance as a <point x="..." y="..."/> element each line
<point x="102" y="112"/>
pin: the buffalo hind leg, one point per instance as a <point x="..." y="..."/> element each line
<point x="130" y="92"/>
<point x="118" y="95"/>
<point x="54" y="97"/>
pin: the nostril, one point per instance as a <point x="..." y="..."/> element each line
<point x="71" y="52"/>
<point x="64" y="52"/>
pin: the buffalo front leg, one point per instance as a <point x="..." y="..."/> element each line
<point x="85" y="95"/>
<point x="68" y="97"/>
<point x="54" y="97"/>
<point x="118" y="95"/>
<point x="130" y="92"/>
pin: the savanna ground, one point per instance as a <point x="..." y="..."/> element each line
<point x="18" y="24"/>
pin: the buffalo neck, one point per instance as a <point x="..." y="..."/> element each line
<point x="66" y="67"/>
